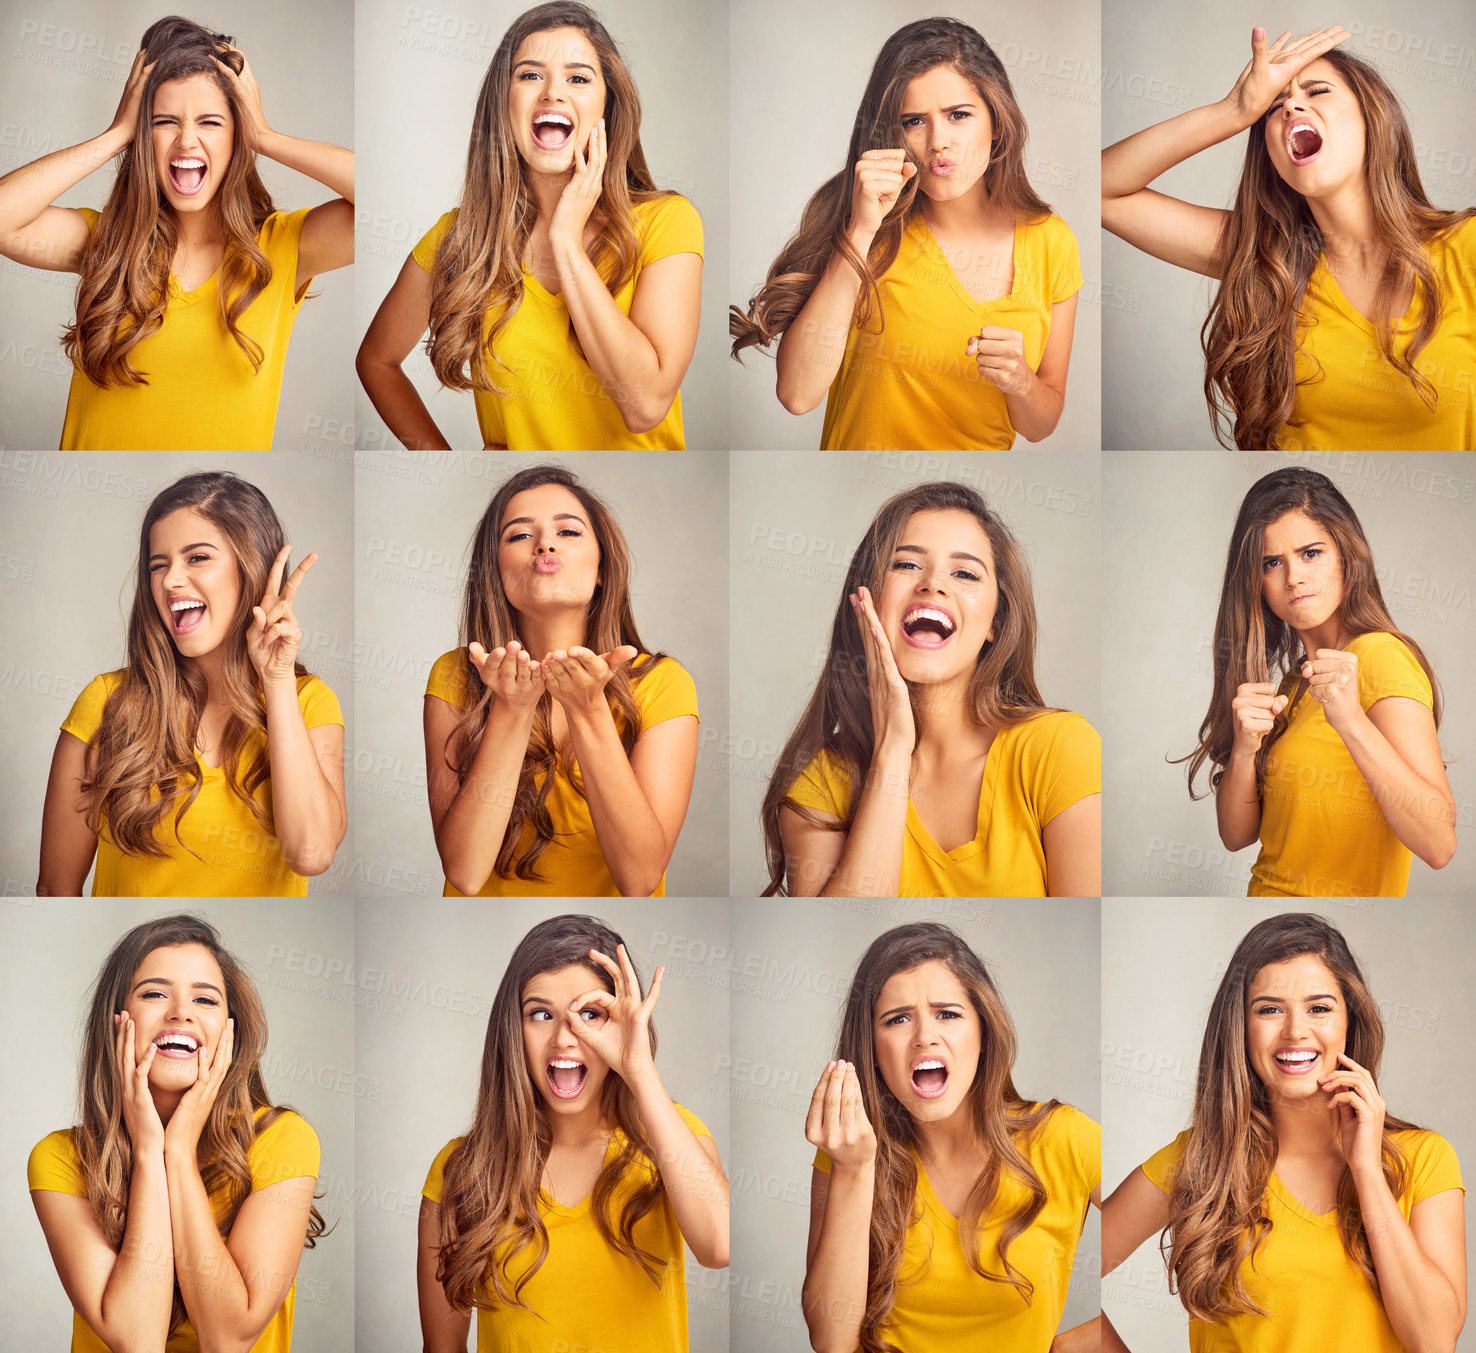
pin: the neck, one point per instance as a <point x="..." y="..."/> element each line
<point x="949" y="1140"/>
<point x="197" y="228"/>
<point x="211" y="666"/>
<point x="568" y="1130"/>
<point x="1306" y="1127"/>
<point x="1346" y="220"/>
<point x="166" y="1102"/>
<point x="546" y="190"/>
<point x="967" y="214"/>
<point x="945" y="721"/>
<point x="1330" y="634"/>
<point x="542" y="633"/>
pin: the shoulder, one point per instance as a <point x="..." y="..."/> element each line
<point x="1387" y="666"/>
<point x="86" y="713"/>
<point x="823" y="785"/>
<point x="1160" y="1166"/>
<point x="1049" y="234"/>
<point x="54" y="1164"/>
<point x="282" y="228"/>
<point x="435" y="1179"/>
<point x="1068" y="1139"/>
<point x="1379" y="646"/>
<point x="665" y="689"/>
<point x="285" y="1148"/>
<point x="92" y="216"/>
<point x="317" y="701"/>
<point x="1433" y="1163"/>
<point x="667" y="225"/>
<point x="424" y="253"/>
<point x="1458" y="241"/>
<point x="448" y="678"/>
<point x="1053" y="733"/>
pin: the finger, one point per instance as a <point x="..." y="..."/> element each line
<point x="608" y="964"/>
<point x="594" y="996"/>
<point x="298" y="574"/>
<point x="477" y="654"/>
<point x="649" y="1004"/>
<point x="148" y="1061"/>
<point x="274" y="579"/>
<point x="816" y="1114"/>
<point x="618" y="657"/>
<point x="850" y="1099"/>
<point x="833" y="1097"/>
<point x="628" y="972"/>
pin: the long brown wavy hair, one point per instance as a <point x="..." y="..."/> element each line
<point x="1251" y="643"/>
<point x="101" y="1137"/>
<point x="487" y="617"/>
<point x="912" y="50"/>
<point x="1002" y="691"/>
<point x="1002" y="1118"/>
<point x="124" y="285"/>
<point x="1269" y="247"/>
<point x="145" y="767"/>
<point x="478" y="266"/>
<point x="1216" y="1212"/>
<point x="489" y="1200"/>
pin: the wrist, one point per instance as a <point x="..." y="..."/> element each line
<point x="1233" y="116"/>
<point x="645" y="1083"/>
<point x="854" y="1171"/>
<point x="860" y="238"/>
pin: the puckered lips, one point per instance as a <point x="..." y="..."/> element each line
<point x="1296" y="1060"/>
<point x="177" y="1044"/>
<point x="187" y="174"/>
<point x="186" y="614"/>
<point x="547" y="563"/>
<point x="552" y="129"/>
<point x="941" y="167"/>
<point x="566" y="1076"/>
<point x="928" y="625"/>
<point x="929" y="1077"/>
<point x="1303" y="141"/>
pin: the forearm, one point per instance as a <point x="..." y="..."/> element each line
<point x="834" y="1294"/>
<point x="332" y="166"/>
<point x="26" y="192"/>
<point x="694" y="1185"/>
<point x="812" y="347"/>
<point x="139" y="1295"/>
<point x="306" y="811"/>
<point x="470" y="834"/>
<point x="631" y="837"/>
<point x="213" y="1290"/>
<point x="1083" y="1338"/>
<point x="628" y="366"/>
<point x="1238" y="802"/>
<point x="1420" y="814"/>
<point x="1035" y="413"/>
<point x="398" y="402"/>
<point x="1422" y="1307"/>
<point x="1133" y="163"/>
<point x="871" y="863"/>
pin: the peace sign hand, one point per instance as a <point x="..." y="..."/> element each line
<point x="1272" y="68"/>
<point x="622" y="1041"/>
<point x="272" y="640"/>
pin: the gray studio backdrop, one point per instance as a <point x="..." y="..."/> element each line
<point x="1155" y="67"/>
<point x="425" y="991"/>
<point x="791" y="963"/>
<point x="61" y="74"/>
<point x="1168" y="522"/>
<point x="418" y="71"/>
<point x="796" y="519"/>
<point x="55" y="950"/>
<point x="1414" y="956"/>
<point x="70" y="526"/>
<point x="414" y="530"/>
<point x="798" y="75"/>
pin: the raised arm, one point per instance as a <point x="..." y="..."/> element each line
<point x="403" y="316"/>
<point x="443" y="1329"/>
<point x="1238" y="796"/>
<point x="68" y="844"/>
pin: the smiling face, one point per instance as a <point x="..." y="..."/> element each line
<point x="194" y="136"/>
<point x="195" y="581"/>
<point x="927" y="1038"/>
<point x="1301" y="571"/>
<point x="948" y="131"/>
<point x="939" y="597"/>
<point x="1315" y="131"/>
<point x="547" y="554"/>
<point x="1296" y="1024"/>
<point x="556" y="98"/>
<point x="568" y="1076"/>
<point x="177" y="1001"/>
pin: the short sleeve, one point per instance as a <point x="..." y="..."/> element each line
<point x="1066" y="767"/>
<point x="319" y="705"/>
<point x="1064" y="262"/>
<point x="86" y="715"/>
<point x="1434" y="1167"/>
<point x="91" y="216"/>
<point x="54" y="1165"/>
<point x="823" y="787"/>
<point x="286" y="1149"/>
<point x="424" y="253"/>
<point x="668" y="693"/>
<point x="281" y="237"/>
<point x="699" y="1128"/>
<point x="1160" y="1166"/>
<point x="448" y="679"/>
<point x="1386" y="668"/>
<point x="671" y="226"/>
<point x="435" y="1180"/>
<point x="1085" y="1136"/>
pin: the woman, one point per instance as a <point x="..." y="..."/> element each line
<point x="565" y="289"/>
<point x="1298" y="1211"/>
<point x="212" y="764"/>
<point x="566" y="774"/>
<point x="929" y="289"/>
<point x="181" y="1164"/>
<point x="926" y="761"/>
<point x="560" y="1217"/>
<point x="1347" y="302"/>
<point x="190" y="279"/>
<point x="944" y="1207"/>
<point x="1321" y="731"/>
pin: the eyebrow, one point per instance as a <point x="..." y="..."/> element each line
<point x="165" y="982"/>
<point x="198" y="545"/>
<point x="952" y="108"/>
<point x="558" y="516"/>
<point x="957" y="554"/>
<point x="932" y="1005"/>
<point x="1320" y="996"/>
<point x="1299" y="548"/>
<point x="542" y="65"/>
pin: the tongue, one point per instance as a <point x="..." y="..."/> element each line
<point x="1305" y="142"/>
<point x="567" y="1079"/>
<point x="550" y="135"/>
<point x="185" y="621"/>
<point x="931" y="1080"/>
<point x="187" y="180"/>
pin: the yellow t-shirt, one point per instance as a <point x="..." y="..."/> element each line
<point x="203" y="394"/>
<point x="287" y="1149"/>
<point x="1359" y="402"/>
<point x="572" y="865"/>
<point x="1034" y="770"/>
<point x="587" y="1295"/>
<point x="1323" y="833"/>
<point x="911" y="387"/>
<point x="1313" y="1294"/>
<point x="226" y="852"/>
<point x="943" y="1304"/>
<point x="552" y="399"/>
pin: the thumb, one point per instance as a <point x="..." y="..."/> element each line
<point x="1258" y="40"/>
<point x="1278" y="704"/>
<point x="908" y="170"/>
<point x="618" y="657"/>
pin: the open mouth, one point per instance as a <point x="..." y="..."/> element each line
<point x="1303" y="143"/>
<point x="927" y="627"/>
<point x="186" y="616"/>
<point x="566" y="1077"/>
<point x="929" y="1079"/>
<point x="177" y="1045"/>
<point x="187" y="175"/>
<point x="551" y="131"/>
<point x="1296" y="1063"/>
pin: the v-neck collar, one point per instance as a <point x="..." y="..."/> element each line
<point x="1289" y="1201"/>
<point x="948" y="859"/>
<point x="552" y="1204"/>
<point x="930" y="241"/>
<point x="1333" y="291"/>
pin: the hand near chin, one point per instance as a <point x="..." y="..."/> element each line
<point x="891" y="705"/>
<point x="1271" y="68"/>
<point x="582" y="193"/>
<point x="577" y="677"/>
<point x="193" y="1112"/>
<point x="140" y="1117"/>
<point x="274" y="636"/>
<point x="247" y="91"/>
<point x="837" y="1121"/>
<point x="1361" y="1111"/>
<point x="511" y="675"/>
<point x="622" y="1040"/>
<point x="1000" y="355"/>
<point x="1332" y="680"/>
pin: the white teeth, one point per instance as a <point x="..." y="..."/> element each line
<point x="929" y="613"/>
<point x="565" y="1063"/>
<point x="177" y="606"/>
<point x="187" y="164"/>
<point x="178" y="1041"/>
<point x="1296" y="1056"/>
<point x="553" y="117"/>
<point x="929" y="1066"/>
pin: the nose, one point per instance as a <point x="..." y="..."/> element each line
<point x="174" y="576"/>
<point x="1293" y="105"/>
